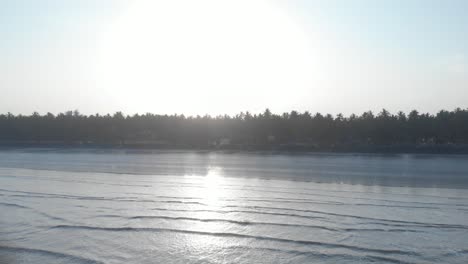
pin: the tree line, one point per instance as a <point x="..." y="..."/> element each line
<point x="244" y="130"/>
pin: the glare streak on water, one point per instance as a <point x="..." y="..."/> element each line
<point x="190" y="207"/>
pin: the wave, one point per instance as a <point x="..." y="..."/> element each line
<point x="286" y="201"/>
<point x="54" y="254"/>
<point x="309" y="201"/>
<point x="312" y="217"/>
<point x="241" y="187"/>
<point x="243" y="223"/>
<point x="380" y="192"/>
<point x="346" y="197"/>
<point x="134" y="199"/>
<point x="72" y="181"/>
<point x="97" y="198"/>
<point x="330" y="256"/>
<point x="272" y="200"/>
<point x="14" y="205"/>
<point x="357" y="217"/>
<point x="236" y="235"/>
<point x="35" y="211"/>
<point x="257" y="189"/>
<point x="456" y="253"/>
<point x="237" y="211"/>
<point x="247" y="223"/>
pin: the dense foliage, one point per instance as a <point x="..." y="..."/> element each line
<point x="243" y="130"/>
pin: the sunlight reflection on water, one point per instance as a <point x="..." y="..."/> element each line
<point x="213" y="182"/>
<point x="202" y="213"/>
<point x="210" y="193"/>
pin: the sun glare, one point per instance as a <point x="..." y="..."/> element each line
<point x="212" y="183"/>
<point x="199" y="57"/>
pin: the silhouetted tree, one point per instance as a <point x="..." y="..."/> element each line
<point x="243" y="130"/>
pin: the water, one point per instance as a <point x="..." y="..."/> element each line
<point x="101" y="206"/>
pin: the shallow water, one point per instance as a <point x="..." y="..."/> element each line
<point x="102" y="206"/>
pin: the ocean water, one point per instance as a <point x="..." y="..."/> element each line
<point x="103" y="206"/>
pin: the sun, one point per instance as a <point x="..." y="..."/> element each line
<point x="207" y="56"/>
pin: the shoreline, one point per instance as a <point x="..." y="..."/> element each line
<point x="261" y="149"/>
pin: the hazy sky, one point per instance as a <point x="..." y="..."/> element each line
<point x="216" y="57"/>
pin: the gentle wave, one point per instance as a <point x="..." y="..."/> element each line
<point x="132" y="199"/>
<point x="247" y="223"/>
<point x="166" y="218"/>
<point x="35" y="211"/>
<point x="327" y="256"/>
<point x="243" y="187"/>
<point x="273" y="200"/>
<point x="236" y="235"/>
<point x="238" y="211"/>
<point x="357" y="217"/>
<point x="53" y="254"/>
<point x="303" y="217"/>
<point x="456" y="253"/>
<point x="14" y="205"/>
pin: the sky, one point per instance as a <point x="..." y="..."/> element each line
<point x="223" y="57"/>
